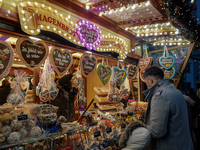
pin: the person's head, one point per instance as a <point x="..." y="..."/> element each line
<point x="152" y="75"/>
<point x="6" y="83"/>
<point x="190" y="91"/>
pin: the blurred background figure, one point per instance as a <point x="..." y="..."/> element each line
<point x="4" y="91"/>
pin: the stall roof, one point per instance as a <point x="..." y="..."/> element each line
<point x="145" y="19"/>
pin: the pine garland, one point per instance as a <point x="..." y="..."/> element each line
<point x="181" y="12"/>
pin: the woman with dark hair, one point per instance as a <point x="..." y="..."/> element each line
<point x="4" y="91"/>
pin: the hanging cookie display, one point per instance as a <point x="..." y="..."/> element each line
<point x="16" y="97"/>
<point x="104" y="72"/>
<point x="124" y="92"/>
<point x="46" y="88"/>
<point x="144" y="63"/>
<point x="113" y="96"/>
<point x="88" y="64"/>
<point x="131" y="71"/>
<point x="169" y="73"/>
<point x="61" y="60"/>
<point x="120" y="75"/>
<point x="166" y="63"/>
<point x="32" y="53"/>
<point x="6" y="58"/>
<point x="81" y="99"/>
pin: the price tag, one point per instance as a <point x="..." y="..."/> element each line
<point x="114" y="96"/>
<point x="108" y="148"/>
<point x="97" y="134"/>
<point x="108" y="130"/>
<point x="123" y="126"/>
<point x="22" y="117"/>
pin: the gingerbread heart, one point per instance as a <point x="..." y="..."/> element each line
<point x="88" y="64"/>
<point x="32" y="53"/>
<point x="120" y="75"/>
<point x="144" y="63"/>
<point x="169" y="73"/>
<point x="44" y="96"/>
<point x="61" y="60"/>
<point x="166" y="62"/>
<point x="141" y="75"/>
<point x="131" y="71"/>
<point x="104" y="73"/>
<point x="53" y="94"/>
<point x="5" y="64"/>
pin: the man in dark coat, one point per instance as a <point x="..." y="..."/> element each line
<point x="166" y="116"/>
<point x="65" y="98"/>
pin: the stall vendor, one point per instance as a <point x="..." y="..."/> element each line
<point x="65" y="98"/>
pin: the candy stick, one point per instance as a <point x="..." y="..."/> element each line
<point x="85" y="110"/>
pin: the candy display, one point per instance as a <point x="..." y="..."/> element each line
<point x="6" y="130"/>
<point x="2" y="138"/>
<point x="30" y="125"/>
<point x="16" y="125"/>
<point x="5" y="119"/>
<point x="13" y="138"/>
<point x="23" y="133"/>
<point x="36" y="132"/>
<point x="16" y="96"/>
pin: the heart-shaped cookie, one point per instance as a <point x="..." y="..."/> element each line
<point x="104" y="73"/>
<point x="120" y="75"/>
<point x="144" y="63"/>
<point x="141" y="75"/>
<point x="44" y="96"/>
<point x="88" y="34"/>
<point x="169" y="73"/>
<point x="88" y="64"/>
<point x="131" y="72"/>
<point x="61" y="60"/>
<point x="53" y="94"/>
<point x="32" y="53"/>
<point x="6" y="58"/>
<point x="167" y="62"/>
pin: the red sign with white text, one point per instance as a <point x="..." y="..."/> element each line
<point x="68" y="147"/>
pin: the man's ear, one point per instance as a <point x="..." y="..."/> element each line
<point x="151" y="80"/>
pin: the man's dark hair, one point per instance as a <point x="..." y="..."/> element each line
<point x="155" y="72"/>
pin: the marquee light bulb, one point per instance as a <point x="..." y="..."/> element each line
<point x="21" y="5"/>
<point x="35" y="4"/>
<point x="25" y="27"/>
<point x="22" y="12"/>
<point x="31" y="31"/>
<point x="43" y="6"/>
<point x="87" y="7"/>
<point x="38" y="31"/>
<point x="23" y="19"/>
<point x="41" y="26"/>
<point x="28" y="3"/>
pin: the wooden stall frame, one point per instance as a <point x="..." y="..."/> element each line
<point x="185" y="61"/>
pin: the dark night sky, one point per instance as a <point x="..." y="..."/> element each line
<point x="198" y="9"/>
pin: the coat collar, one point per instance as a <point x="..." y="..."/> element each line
<point x="155" y="87"/>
